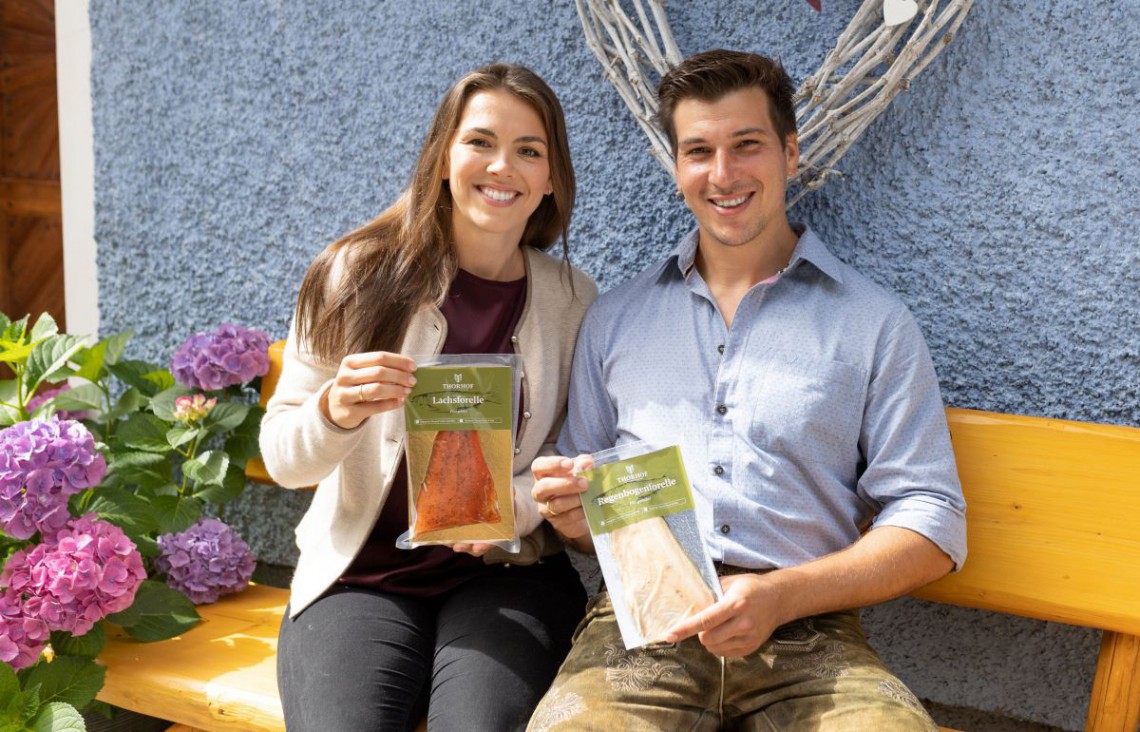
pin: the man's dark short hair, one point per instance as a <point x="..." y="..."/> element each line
<point x="711" y="75"/>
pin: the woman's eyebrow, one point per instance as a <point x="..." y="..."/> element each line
<point x="525" y="138"/>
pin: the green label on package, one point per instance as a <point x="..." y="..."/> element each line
<point x="460" y="398"/>
<point x="627" y="491"/>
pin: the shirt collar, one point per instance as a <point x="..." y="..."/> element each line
<point x="809" y="248"/>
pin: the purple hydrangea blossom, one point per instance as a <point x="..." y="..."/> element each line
<point x="205" y="561"/>
<point x="22" y="637"/>
<point x="88" y="570"/>
<point x="39" y="400"/>
<point x="230" y="355"/>
<point x="42" y="463"/>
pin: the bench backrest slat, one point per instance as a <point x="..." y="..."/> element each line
<point x="1053" y="520"/>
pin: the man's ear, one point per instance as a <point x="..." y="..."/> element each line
<point x="792" y="153"/>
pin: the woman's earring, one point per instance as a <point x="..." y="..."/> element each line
<point x="680" y="196"/>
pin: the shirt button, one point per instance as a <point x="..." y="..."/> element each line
<point x="518" y="450"/>
<point x="724" y="529"/>
<point x="721" y="409"/>
<point x="514" y="339"/>
<point x="720" y="348"/>
<point x="718" y="470"/>
<point x="526" y="415"/>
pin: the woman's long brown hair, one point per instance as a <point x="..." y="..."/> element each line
<point x="405" y="259"/>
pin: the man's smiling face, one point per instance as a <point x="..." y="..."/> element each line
<point x="732" y="167"/>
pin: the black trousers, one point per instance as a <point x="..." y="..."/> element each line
<point x="477" y="658"/>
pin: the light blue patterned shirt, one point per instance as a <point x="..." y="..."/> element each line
<point x="815" y="415"/>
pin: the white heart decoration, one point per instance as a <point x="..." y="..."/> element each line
<point x="834" y="106"/>
<point x="897" y="12"/>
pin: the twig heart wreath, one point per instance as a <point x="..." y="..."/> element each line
<point x="834" y="106"/>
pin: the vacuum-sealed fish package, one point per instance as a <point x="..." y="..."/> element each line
<point x="460" y="419"/>
<point x="639" y="507"/>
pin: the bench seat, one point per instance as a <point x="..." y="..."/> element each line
<point x="220" y="675"/>
<point x="1052" y="529"/>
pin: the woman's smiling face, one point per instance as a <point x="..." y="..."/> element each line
<point x="498" y="167"/>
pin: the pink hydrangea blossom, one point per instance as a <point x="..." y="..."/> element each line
<point x="42" y="463"/>
<point x="205" y="561"/>
<point x="229" y="355"/>
<point x="191" y="409"/>
<point x="22" y="637"/>
<point x="88" y="570"/>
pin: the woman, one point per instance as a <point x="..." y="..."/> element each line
<point x="456" y="265"/>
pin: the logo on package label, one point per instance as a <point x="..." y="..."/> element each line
<point x="458" y="383"/>
<point x="631" y="475"/>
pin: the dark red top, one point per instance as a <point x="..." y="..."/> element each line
<point x="481" y="318"/>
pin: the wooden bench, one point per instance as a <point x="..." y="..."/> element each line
<point x="1053" y="529"/>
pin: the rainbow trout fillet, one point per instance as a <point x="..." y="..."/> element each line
<point x="661" y="584"/>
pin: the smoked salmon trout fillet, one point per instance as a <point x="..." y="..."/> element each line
<point x="662" y="585"/>
<point x="458" y="489"/>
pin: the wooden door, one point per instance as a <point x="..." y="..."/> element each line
<point x="31" y="231"/>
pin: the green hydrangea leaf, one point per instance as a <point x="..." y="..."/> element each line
<point x="57" y="717"/>
<point x="131" y="401"/>
<point x="157" y="613"/>
<point x="162" y="379"/>
<point x="91" y="361"/>
<point x="144" y="432"/>
<point x="13" y="702"/>
<point x="176" y="513"/>
<point x="242" y="444"/>
<point x="209" y="468"/>
<point x="103" y="709"/>
<point x="31" y="701"/>
<point x="82" y="397"/>
<point x="45" y="327"/>
<point x="16" y="330"/>
<point x="88" y="645"/>
<point x="147" y="546"/>
<point x="181" y="434"/>
<point x="124" y="460"/>
<point x="124" y="509"/>
<point x="136" y="373"/>
<point x="49" y="359"/>
<point x="230" y="488"/>
<point x="226" y="416"/>
<point x="116" y="345"/>
<point x="69" y="679"/>
<point x="144" y="478"/>
<point x="107" y="351"/>
<point x="14" y="352"/>
<point x="162" y="404"/>
<point x="8" y="415"/>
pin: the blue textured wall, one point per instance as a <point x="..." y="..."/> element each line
<point x="998" y="198"/>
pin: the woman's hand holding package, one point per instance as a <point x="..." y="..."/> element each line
<point x="475" y="548"/>
<point x="367" y="384"/>
<point x="558" y="491"/>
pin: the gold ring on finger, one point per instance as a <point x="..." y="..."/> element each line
<point x="360" y="389"/>
<point x="550" y="510"/>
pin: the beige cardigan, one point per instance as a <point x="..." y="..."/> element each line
<point x="353" y="469"/>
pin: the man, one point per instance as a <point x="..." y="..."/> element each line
<point x="809" y="417"/>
